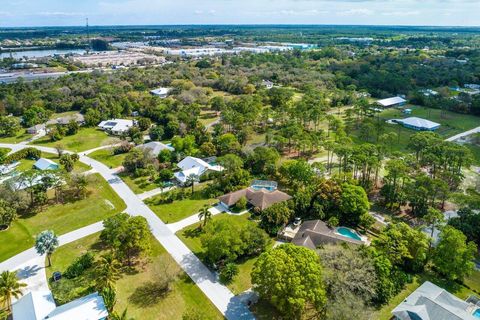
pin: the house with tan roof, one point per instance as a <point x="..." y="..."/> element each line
<point x="261" y="198"/>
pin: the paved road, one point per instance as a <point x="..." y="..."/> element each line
<point x="230" y="306"/>
<point x="463" y="134"/>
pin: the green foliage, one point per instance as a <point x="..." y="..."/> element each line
<point x="128" y="236"/>
<point x="241" y="204"/>
<point x="263" y="160"/>
<point x="45" y="243"/>
<point x="8" y="214"/>
<point x="27" y="153"/>
<point x="9" y="126"/>
<point x="137" y="159"/>
<point x="10" y="288"/>
<point x="353" y="204"/>
<point x="225" y="242"/>
<point x="79" y="265"/>
<point x="468" y="222"/>
<point x="453" y="256"/>
<point x="228" y="272"/>
<point x="68" y="161"/>
<point x="296" y="174"/>
<point x="156" y="133"/>
<point x="276" y="217"/>
<point x="290" y="278"/>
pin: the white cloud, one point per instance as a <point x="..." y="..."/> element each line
<point x="356" y="12"/>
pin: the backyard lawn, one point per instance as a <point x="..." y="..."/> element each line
<point x="191" y="237"/>
<point x="85" y="139"/>
<point x="107" y="157"/>
<point x="134" y="288"/>
<point x="100" y="203"/>
<point x="179" y="209"/>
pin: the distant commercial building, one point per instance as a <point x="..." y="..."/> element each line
<point x="116" y="126"/>
<point x="392" y="102"/>
<point x="418" y="124"/>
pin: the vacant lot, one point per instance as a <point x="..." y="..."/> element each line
<point x="85" y="139"/>
<point x="100" y="203"/>
<point x="134" y="287"/>
<point x="107" y="157"/>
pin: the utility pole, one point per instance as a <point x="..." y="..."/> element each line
<point x="88" y="37"/>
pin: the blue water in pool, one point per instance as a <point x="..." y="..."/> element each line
<point x="477" y="313"/>
<point x="346" y="232"/>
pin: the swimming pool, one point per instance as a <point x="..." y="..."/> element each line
<point x="477" y="313"/>
<point x="349" y="233"/>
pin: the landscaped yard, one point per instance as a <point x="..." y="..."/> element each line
<point x="85" y="139"/>
<point x="100" y="203"/>
<point x="191" y="237"/>
<point x="134" y="288"/>
<point x="107" y="157"/>
<point x="179" y="209"/>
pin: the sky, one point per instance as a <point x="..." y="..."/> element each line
<point x="15" y="13"/>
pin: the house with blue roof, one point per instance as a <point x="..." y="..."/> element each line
<point x="46" y="164"/>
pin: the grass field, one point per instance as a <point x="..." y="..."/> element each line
<point x="178" y="210"/>
<point x="100" y="203"/>
<point x="133" y="290"/>
<point x="85" y="139"/>
<point x="191" y="237"/>
<point x="106" y="157"/>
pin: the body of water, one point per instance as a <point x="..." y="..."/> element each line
<point x="39" y="53"/>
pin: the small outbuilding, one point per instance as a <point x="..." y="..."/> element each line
<point x="418" y="124"/>
<point x="392" y="102"/>
<point x="46" y="164"/>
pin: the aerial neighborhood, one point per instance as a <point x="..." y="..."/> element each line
<point x="239" y="172"/>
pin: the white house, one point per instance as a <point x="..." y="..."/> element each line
<point x="161" y="92"/>
<point x="194" y="166"/>
<point x="418" y="124"/>
<point x="155" y="147"/>
<point x="267" y="84"/>
<point x="392" y="102"/>
<point x="116" y="126"/>
<point x="39" y="305"/>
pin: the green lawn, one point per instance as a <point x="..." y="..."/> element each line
<point x="107" y="157"/>
<point x="475" y="151"/>
<point x="85" y="139"/>
<point x="178" y="210"/>
<point x="138" y="185"/>
<point x="101" y="203"/>
<point x="22" y="135"/>
<point x="459" y="290"/>
<point x="132" y="289"/>
<point x="191" y="237"/>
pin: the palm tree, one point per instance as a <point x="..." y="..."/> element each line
<point x="46" y="243"/>
<point x="108" y="271"/>
<point x="205" y="214"/>
<point x="191" y="179"/>
<point x="122" y="316"/>
<point x="10" y="288"/>
<point x="109" y="296"/>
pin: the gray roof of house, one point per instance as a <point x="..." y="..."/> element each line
<point x="313" y="233"/>
<point x="430" y="302"/>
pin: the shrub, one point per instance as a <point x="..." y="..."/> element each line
<point x="27" y="153"/>
<point x="122" y="148"/>
<point x="79" y="265"/>
<point x="228" y="273"/>
<point x="241" y="204"/>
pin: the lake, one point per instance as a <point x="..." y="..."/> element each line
<point x="39" y="53"/>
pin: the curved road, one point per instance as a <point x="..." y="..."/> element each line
<point x="230" y="306"/>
